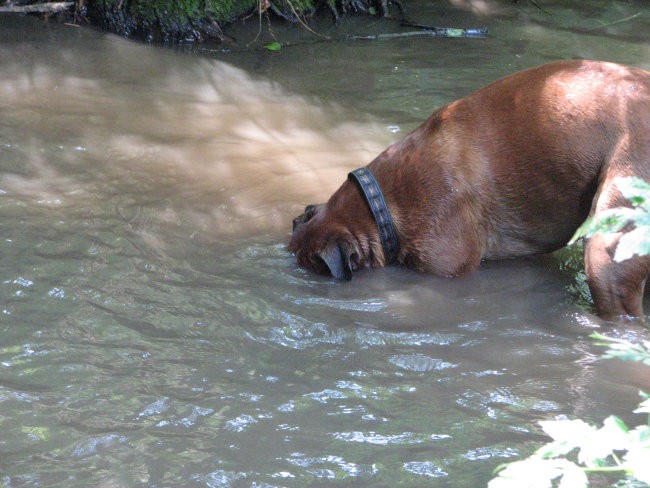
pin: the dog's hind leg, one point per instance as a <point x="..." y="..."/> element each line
<point x="617" y="288"/>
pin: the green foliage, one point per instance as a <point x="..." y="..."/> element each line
<point x="579" y="449"/>
<point x="634" y="242"/>
<point x="625" y="350"/>
<point x="274" y="46"/>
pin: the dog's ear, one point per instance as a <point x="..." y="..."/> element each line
<point x="337" y="256"/>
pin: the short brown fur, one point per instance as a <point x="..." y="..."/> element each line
<point x="510" y="170"/>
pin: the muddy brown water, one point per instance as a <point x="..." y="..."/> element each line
<point x="154" y="330"/>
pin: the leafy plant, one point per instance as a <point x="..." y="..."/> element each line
<point x="636" y="241"/>
<point x="625" y="350"/>
<point x="579" y="449"/>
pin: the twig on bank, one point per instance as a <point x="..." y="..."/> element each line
<point x="261" y="7"/>
<point x="302" y="22"/>
<point x="440" y="32"/>
<point x="429" y="31"/>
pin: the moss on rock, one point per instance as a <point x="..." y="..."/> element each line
<point x="198" y="20"/>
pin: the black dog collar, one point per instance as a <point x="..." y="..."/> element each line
<point x="380" y="212"/>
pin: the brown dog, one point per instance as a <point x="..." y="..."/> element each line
<point x="510" y="170"/>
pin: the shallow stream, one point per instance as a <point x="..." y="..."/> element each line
<point x="154" y="330"/>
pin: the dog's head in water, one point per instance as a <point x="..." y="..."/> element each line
<point x="337" y="237"/>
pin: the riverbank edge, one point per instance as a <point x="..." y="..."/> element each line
<point x="195" y="21"/>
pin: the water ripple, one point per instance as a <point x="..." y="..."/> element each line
<point x="380" y="439"/>
<point x="241" y="423"/>
<point x="369" y="336"/>
<point x="188" y="421"/>
<point x="418" y="362"/>
<point x="300" y="333"/>
<point x="369" y="305"/>
<point x="90" y="446"/>
<point x="220" y="478"/>
<point x="424" y="468"/>
<point x="332" y="467"/>
<point x="482" y="453"/>
<point x="326" y="395"/>
<point x="155" y="408"/>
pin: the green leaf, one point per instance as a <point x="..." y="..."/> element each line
<point x="642" y="217"/>
<point x="615" y="424"/>
<point x="274" y="46"/>
<point x="532" y="473"/>
<point x="632" y="187"/>
<point x="637" y="201"/>
<point x="555" y="449"/>
<point x="636" y="460"/>
<point x="570" y="432"/>
<point x="605" y="222"/>
<point x="625" y="350"/>
<point x="635" y="242"/>
<point x="601" y="337"/>
<point x="573" y="477"/>
<point x="644" y="407"/>
<point x="637" y="191"/>
<point x="597" y="447"/>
